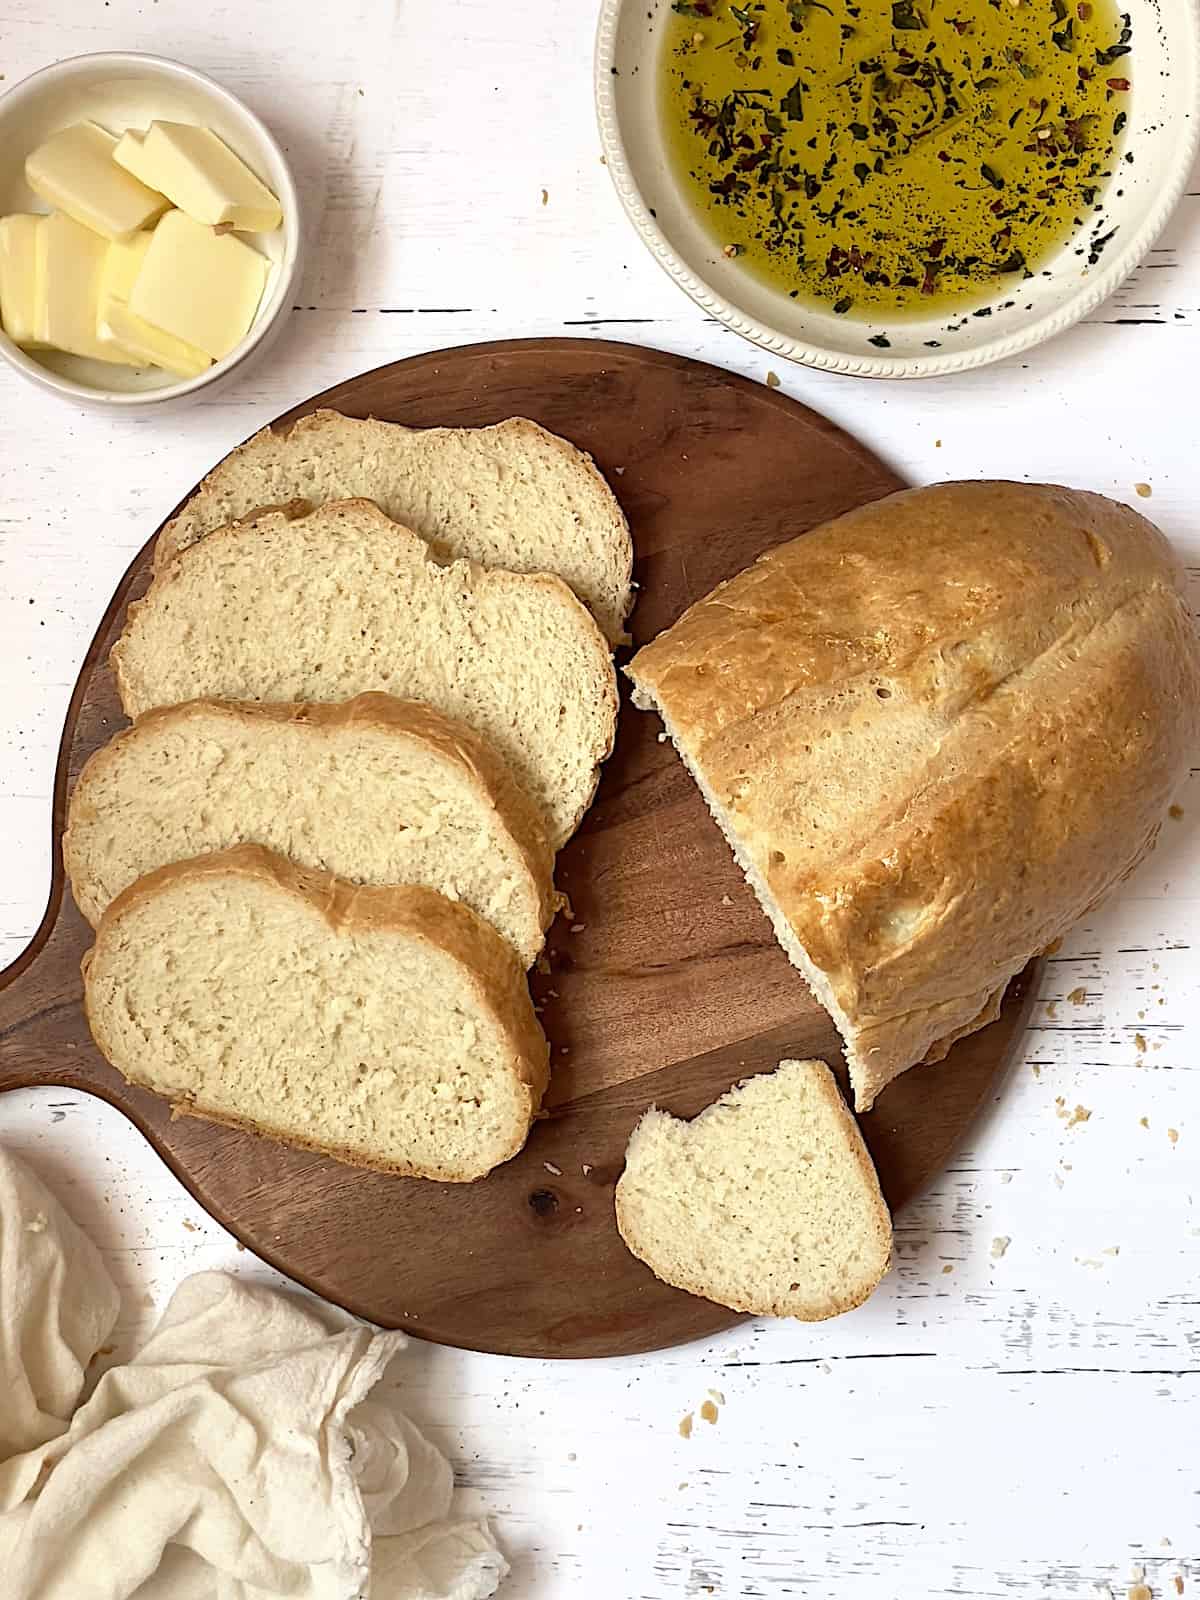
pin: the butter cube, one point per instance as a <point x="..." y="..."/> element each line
<point x="203" y="287"/>
<point x="201" y="175"/>
<point x="117" y="325"/>
<point x="75" y="171"/>
<point x="74" y="262"/>
<point x="22" y="277"/>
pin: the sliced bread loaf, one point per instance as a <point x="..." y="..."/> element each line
<point x="342" y="601"/>
<point x="936" y="731"/>
<point x="376" y="790"/>
<point x="511" y="496"/>
<point x="390" y="1028"/>
<point x="766" y="1202"/>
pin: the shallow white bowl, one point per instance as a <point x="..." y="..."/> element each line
<point x="1163" y="135"/>
<point x="127" y="90"/>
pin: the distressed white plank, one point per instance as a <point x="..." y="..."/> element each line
<point x="1015" y="1426"/>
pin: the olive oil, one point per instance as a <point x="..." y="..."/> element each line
<point x="887" y="156"/>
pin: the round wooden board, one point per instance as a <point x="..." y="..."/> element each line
<point x="665" y="983"/>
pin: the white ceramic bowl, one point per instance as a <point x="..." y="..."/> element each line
<point x="119" y="91"/>
<point x="1163" y="135"/>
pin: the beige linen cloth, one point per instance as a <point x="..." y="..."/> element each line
<point x="244" y="1453"/>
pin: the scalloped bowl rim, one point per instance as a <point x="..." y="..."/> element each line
<point x="1182" y="157"/>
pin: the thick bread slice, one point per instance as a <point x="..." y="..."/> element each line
<point x="376" y="790"/>
<point x="390" y="1028"/>
<point x="511" y="496"/>
<point x="342" y="601"/>
<point x="766" y="1202"/>
<point x="935" y="732"/>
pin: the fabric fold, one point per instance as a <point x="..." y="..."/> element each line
<point x="246" y="1451"/>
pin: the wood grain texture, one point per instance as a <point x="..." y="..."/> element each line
<point x="665" y="984"/>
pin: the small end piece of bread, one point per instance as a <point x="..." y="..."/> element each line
<point x="344" y="601"/>
<point x="377" y="790"/>
<point x="389" y="1028"/>
<point x="511" y="496"/>
<point x="767" y="1202"/>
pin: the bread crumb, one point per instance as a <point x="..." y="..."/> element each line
<point x="1143" y="490"/>
<point x="1175" y="812"/>
<point x="1077" y="996"/>
<point x="937" y="444"/>
<point x="662" y="738"/>
<point x="1051" y="1009"/>
<point x="1178" y="1581"/>
<point x="1140" y="1041"/>
<point x="1144" y="1122"/>
<point x="1036" y="1070"/>
<point x="190" y="1226"/>
<point x="708" y="1411"/>
<point x="578" y="927"/>
<point x="731" y="250"/>
<point x="949" y="1267"/>
<point x="1139" y="1591"/>
<point x="550" y="1167"/>
<point x="587" y="1167"/>
<point x="1000" y="1245"/>
<point x="545" y="197"/>
<point x="715" y="1394"/>
<point x="685" y="1427"/>
<point x="1111" y="1250"/>
<point x="1173" y="1135"/>
<point x="36" y="1224"/>
<point x="1006" y="1177"/>
<point x="238" y="1245"/>
<point x="772" y="380"/>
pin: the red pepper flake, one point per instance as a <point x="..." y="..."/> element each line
<point x="1120" y="84"/>
<point x="1084" y="75"/>
<point x="942" y="156"/>
<point x="997" y="206"/>
<point x="1083" y="11"/>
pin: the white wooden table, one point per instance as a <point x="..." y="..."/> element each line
<point x="990" y="1424"/>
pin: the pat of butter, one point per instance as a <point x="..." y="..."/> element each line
<point x="75" y="171"/>
<point x="22" y="277"/>
<point x="201" y="286"/>
<point x="116" y="323"/>
<point x="201" y="175"/>
<point x="74" y="263"/>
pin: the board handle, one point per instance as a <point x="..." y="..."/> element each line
<point x="44" y="1039"/>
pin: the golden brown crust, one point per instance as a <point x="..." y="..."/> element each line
<point x="447" y="735"/>
<point x="490" y="965"/>
<point x="1009" y="682"/>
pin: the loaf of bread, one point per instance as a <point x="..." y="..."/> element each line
<point x="390" y="1028"/>
<point x="511" y="496"/>
<point x="376" y="790"/>
<point x="935" y="732"/>
<point x="342" y="601"/>
<point x="766" y="1202"/>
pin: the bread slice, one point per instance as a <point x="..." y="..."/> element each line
<point x="511" y="496"/>
<point x="766" y="1202"/>
<point x="342" y="601"/>
<point x="390" y="1028"/>
<point x="377" y="790"/>
<point x="935" y="732"/>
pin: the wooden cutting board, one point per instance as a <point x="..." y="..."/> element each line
<point x="665" y="984"/>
